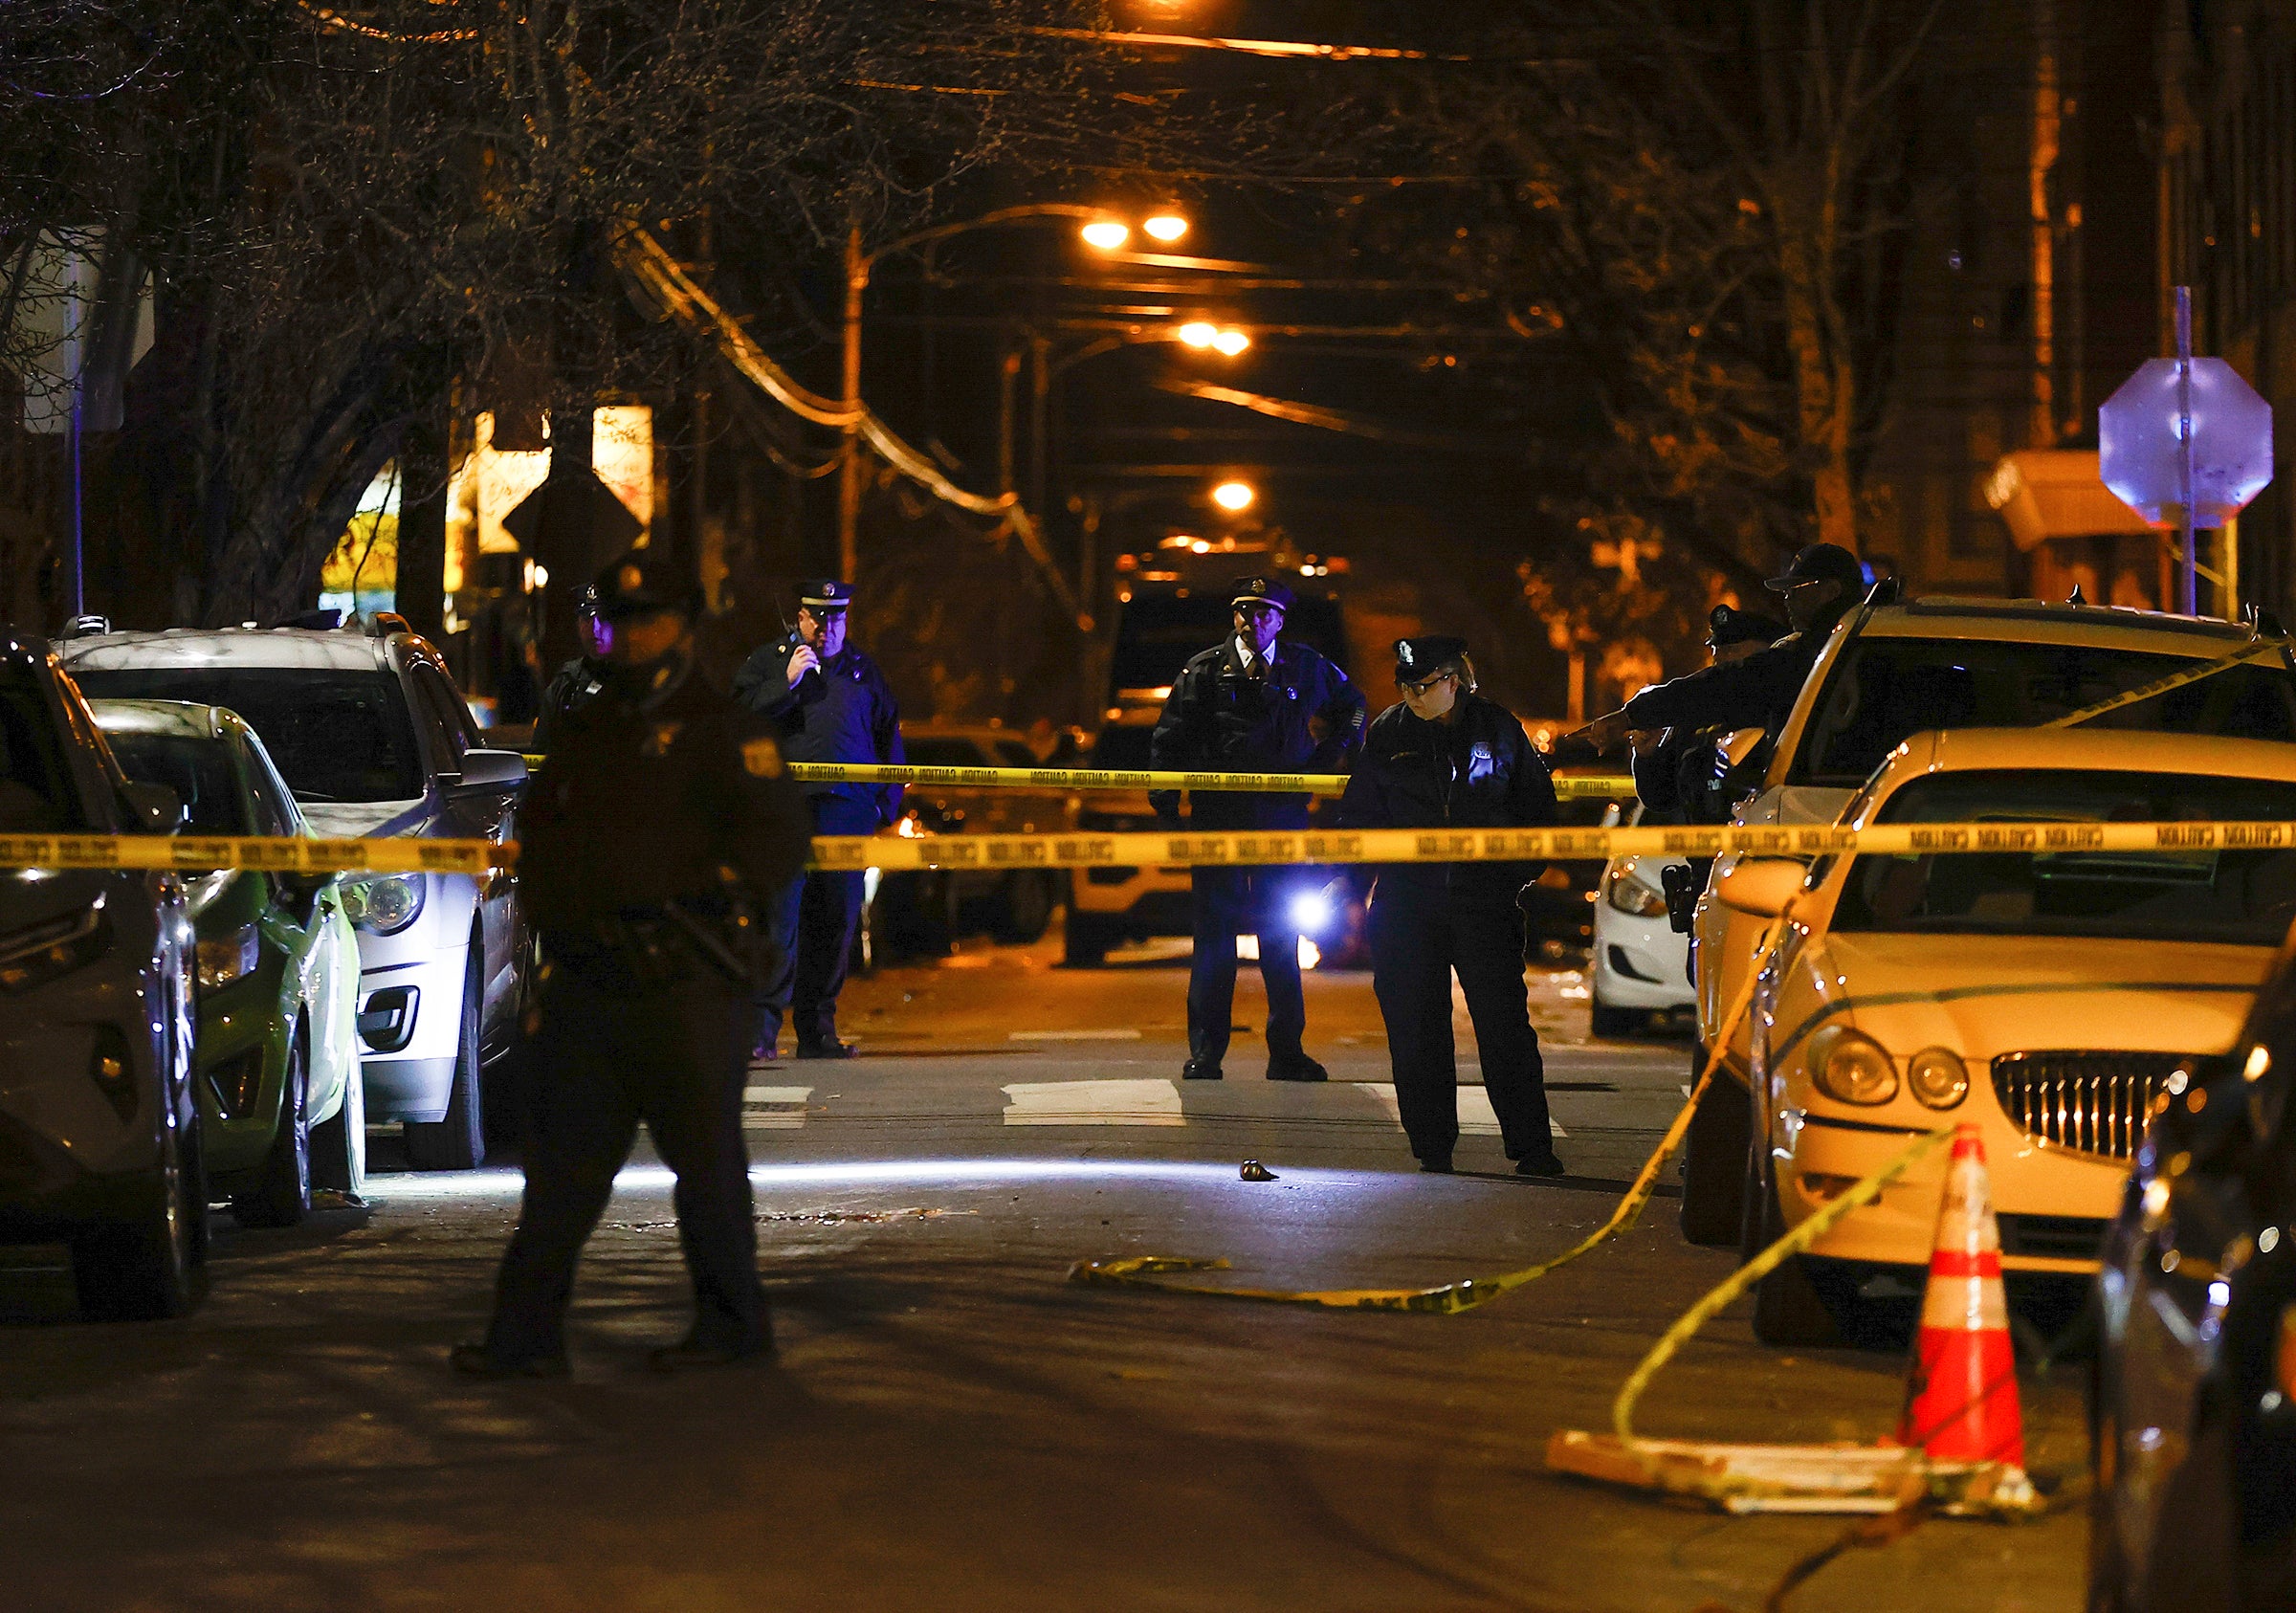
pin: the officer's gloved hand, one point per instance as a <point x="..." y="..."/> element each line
<point x="1165" y="804"/>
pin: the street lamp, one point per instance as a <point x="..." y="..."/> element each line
<point x="1234" y="496"/>
<point x="1106" y="234"/>
<point x="1165" y="227"/>
<point x="1226" y="341"/>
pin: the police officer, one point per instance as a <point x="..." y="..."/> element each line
<point x="1824" y="585"/>
<point x="1680" y="773"/>
<point x="649" y="838"/>
<point x="1446" y="758"/>
<point x="1251" y="704"/>
<point x="830" y="703"/>
<point x="579" y="680"/>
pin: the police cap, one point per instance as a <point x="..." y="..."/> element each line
<point x="818" y="594"/>
<point x="1262" y="590"/>
<point x="640" y="583"/>
<point x="1728" y="625"/>
<point x="1821" y="563"/>
<point x="1420" y="658"/>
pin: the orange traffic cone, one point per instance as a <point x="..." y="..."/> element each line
<point x="1961" y="1397"/>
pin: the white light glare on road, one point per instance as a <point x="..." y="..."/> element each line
<point x="1233" y="496"/>
<point x="1165" y="226"/>
<point x="1105" y="234"/>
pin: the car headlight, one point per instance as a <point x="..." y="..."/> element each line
<point x="1630" y="895"/>
<point x="1851" y="1067"/>
<point x="224" y="960"/>
<point x="1937" y="1077"/>
<point x="383" y="903"/>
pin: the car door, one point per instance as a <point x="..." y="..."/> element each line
<point x="485" y="816"/>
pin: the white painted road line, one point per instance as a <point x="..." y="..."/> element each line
<point x="1475" y="1115"/>
<point x="1074" y="1036"/>
<point x="774" y="1108"/>
<point x="1094" y="1103"/>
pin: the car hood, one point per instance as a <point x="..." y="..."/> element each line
<point x="353" y="820"/>
<point x="51" y="894"/>
<point x="1984" y="995"/>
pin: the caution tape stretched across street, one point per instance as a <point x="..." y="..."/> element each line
<point x="1598" y="787"/>
<point x="277" y="854"/>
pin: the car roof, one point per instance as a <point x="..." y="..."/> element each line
<point x="299" y="648"/>
<point x="2033" y="621"/>
<point x="179" y="719"/>
<point x="2102" y="750"/>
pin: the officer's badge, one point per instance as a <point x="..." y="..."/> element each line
<point x="664" y="732"/>
<point x="1479" y="762"/>
<point x="762" y="758"/>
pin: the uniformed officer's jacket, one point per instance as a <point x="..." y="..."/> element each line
<point x="643" y="804"/>
<point x="1479" y="772"/>
<point x="1220" y="718"/>
<point x="1758" y="691"/>
<point x="846" y="714"/>
<point x="577" y="682"/>
<point x="1688" y="779"/>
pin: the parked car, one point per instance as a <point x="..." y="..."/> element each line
<point x="1894" y="669"/>
<point x="1558" y="904"/>
<point x="1014" y="905"/>
<point x="283" y="1107"/>
<point x="373" y="740"/>
<point x="100" y="1140"/>
<point x="1641" y="964"/>
<point x="2046" y="998"/>
<point x="2192" y="1406"/>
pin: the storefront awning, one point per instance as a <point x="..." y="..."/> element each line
<point x="2057" y="493"/>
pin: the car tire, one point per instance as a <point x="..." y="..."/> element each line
<point x="1797" y="1306"/>
<point x="154" y="1265"/>
<point x="1024" y="907"/>
<point x="457" y="1143"/>
<point x="1606" y="1021"/>
<point x="1714" y="1163"/>
<point x="339" y="1145"/>
<point x="281" y="1196"/>
<point x="1085" y="940"/>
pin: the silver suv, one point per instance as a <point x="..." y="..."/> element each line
<point x="374" y="739"/>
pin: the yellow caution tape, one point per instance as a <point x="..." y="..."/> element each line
<point x="2174" y="680"/>
<point x="1531" y="845"/>
<point x="1568" y="787"/>
<point x="278" y="855"/>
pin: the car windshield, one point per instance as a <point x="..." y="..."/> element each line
<point x="335" y="735"/>
<point x="198" y="770"/>
<point x="1883" y="689"/>
<point x="35" y="791"/>
<point x="2244" y="897"/>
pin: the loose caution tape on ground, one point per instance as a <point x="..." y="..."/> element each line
<point x="203" y="853"/>
<point x="1569" y="785"/>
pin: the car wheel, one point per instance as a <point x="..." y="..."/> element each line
<point x="1024" y="907"/>
<point x="1607" y="1021"/>
<point x="458" y="1141"/>
<point x="281" y="1196"/>
<point x="1084" y="942"/>
<point x="154" y="1265"/>
<point x="339" y="1146"/>
<point x="1714" y="1163"/>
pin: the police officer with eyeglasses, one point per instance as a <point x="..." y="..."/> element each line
<point x="1446" y="758"/>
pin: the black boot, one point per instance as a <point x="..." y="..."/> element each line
<point x="1201" y="1069"/>
<point x="1295" y="1067"/>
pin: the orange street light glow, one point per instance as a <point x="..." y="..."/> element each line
<point x="1165" y="226"/>
<point x="1230" y="342"/>
<point x="1233" y="496"/>
<point x="1105" y="234"/>
<point x="1199" y="333"/>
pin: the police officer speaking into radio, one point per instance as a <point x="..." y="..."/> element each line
<point x="1253" y="703"/>
<point x="649" y="841"/>
<point x="1446" y="758"/>
<point x="831" y="704"/>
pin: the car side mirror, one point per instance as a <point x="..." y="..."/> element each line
<point x="153" y="808"/>
<point x="489" y="772"/>
<point x="1761" y="886"/>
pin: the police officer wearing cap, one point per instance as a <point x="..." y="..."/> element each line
<point x="1446" y="758"/>
<point x="649" y="839"/>
<point x="830" y="703"/>
<point x="1683" y="775"/>
<point x="1253" y="703"/>
<point x="1824" y="585"/>
<point x="579" y="680"/>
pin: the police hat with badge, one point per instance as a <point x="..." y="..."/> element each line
<point x="1728" y="626"/>
<point x="1423" y="659"/>
<point x="822" y="596"/>
<point x="1261" y="592"/>
<point x="641" y="582"/>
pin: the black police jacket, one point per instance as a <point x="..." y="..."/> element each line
<point x="1300" y="715"/>
<point x="1479" y="772"/>
<point x="1687" y="779"/>
<point x="576" y="684"/>
<point x="679" y="796"/>
<point x="845" y="713"/>
<point x="1758" y="691"/>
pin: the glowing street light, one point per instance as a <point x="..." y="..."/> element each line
<point x="1203" y="333"/>
<point x="1233" y="497"/>
<point x="1229" y="342"/>
<point x="1165" y="226"/>
<point x="1106" y="234"/>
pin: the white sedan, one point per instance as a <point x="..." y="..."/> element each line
<point x="2047" y="999"/>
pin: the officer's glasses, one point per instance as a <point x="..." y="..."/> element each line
<point x="1274" y="611"/>
<point x="1419" y="689"/>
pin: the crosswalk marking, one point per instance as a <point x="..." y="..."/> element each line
<point x="1094" y="1103"/>
<point x="1476" y="1117"/>
<point x="774" y="1108"/>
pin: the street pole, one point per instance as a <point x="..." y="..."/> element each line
<point x="848" y="472"/>
<point x="2184" y="433"/>
<point x="1040" y="392"/>
<point x="76" y="556"/>
<point x="1008" y="384"/>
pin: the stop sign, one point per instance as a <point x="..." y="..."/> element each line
<point x="2141" y="448"/>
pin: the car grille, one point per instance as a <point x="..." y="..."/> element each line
<point x="2060" y="1237"/>
<point x="2090" y="1102"/>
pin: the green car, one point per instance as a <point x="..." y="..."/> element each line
<point x="281" y="1105"/>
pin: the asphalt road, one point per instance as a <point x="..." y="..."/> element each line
<point x="948" y="1423"/>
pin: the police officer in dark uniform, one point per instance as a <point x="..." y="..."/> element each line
<point x="1680" y="773"/>
<point x="581" y="679"/>
<point x="1446" y="758"/>
<point x="829" y="703"/>
<point x="1251" y="704"/>
<point x="649" y="841"/>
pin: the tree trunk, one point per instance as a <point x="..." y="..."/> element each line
<point x="422" y="581"/>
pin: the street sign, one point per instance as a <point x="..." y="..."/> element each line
<point x="2141" y="446"/>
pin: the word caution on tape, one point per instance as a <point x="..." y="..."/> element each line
<point x="1601" y="787"/>
<point x="277" y="854"/>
